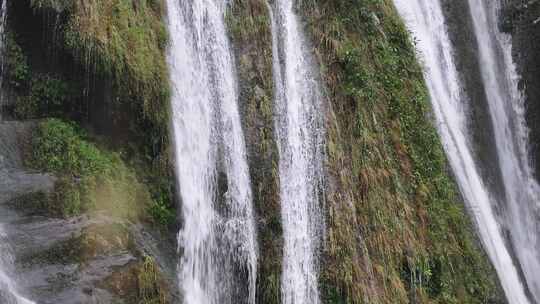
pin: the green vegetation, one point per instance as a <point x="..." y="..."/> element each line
<point x="162" y="211"/>
<point x="122" y="38"/>
<point x="92" y="178"/>
<point x="18" y="71"/>
<point x="38" y="94"/>
<point x="123" y="41"/>
<point x="151" y="290"/>
<point x="89" y="177"/>
<point x="46" y="96"/>
<point x="398" y="232"/>
<point x="94" y="73"/>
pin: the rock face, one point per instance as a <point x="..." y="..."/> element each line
<point x="91" y="258"/>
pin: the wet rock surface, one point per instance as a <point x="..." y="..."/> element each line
<point x="92" y="258"/>
<point x="465" y="46"/>
<point x="521" y="18"/>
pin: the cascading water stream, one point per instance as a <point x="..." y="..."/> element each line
<point x="217" y="242"/>
<point x="425" y="19"/>
<point x="8" y="290"/>
<point x="299" y="126"/>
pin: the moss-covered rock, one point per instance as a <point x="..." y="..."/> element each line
<point x="124" y="39"/>
<point x="134" y="278"/>
<point x="249" y="26"/>
<point x="117" y="68"/>
<point x="102" y="65"/>
<point x="140" y="282"/>
<point x="99" y="68"/>
<point x="398" y="231"/>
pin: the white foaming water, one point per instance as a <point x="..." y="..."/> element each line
<point x="425" y="19"/>
<point x="299" y="125"/>
<point x="506" y="108"/>
<point x="218" y="244"/>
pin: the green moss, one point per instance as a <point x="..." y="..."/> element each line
<point x="412" y="239"/>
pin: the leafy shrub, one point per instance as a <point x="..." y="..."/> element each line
<point x="59" y="147"/>
<point x="46" y="95"/>
<point x="162" y="213"/>
<point x="17" y="69"/>
<point x="89" y="177"/>
<point x="37" y="94"/>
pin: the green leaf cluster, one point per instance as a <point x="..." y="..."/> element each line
<point x="89" y="178"/>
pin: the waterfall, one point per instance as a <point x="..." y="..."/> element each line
<point x="506" y="107"/>
<point x="217" y="241"/>
<point x="425" y="19"/>
<point x="299" y="125"/>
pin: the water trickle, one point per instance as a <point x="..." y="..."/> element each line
<point x="299" y="125"/>
<point x="426" y="21"/>
<point x="217" y="241"/>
